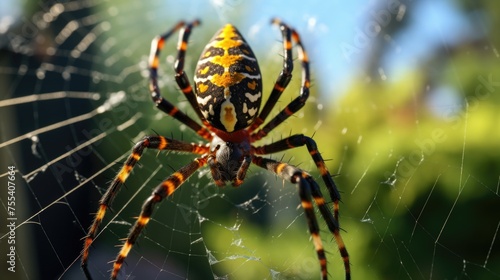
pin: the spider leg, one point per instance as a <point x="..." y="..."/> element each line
<point x="289" y="34"/>
<point x="332" y="224"/>
<point x="156" y="46"/>
<point x="301" y="140"/>
<point x="307" y="188"/>
<point x="163" y="190"/>
<point x="283" y="79"/>
<point x="242" y="171"/>
<point x="150" y="142"/>
<point x="181" y="77"/>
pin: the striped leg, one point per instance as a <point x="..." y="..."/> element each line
<point x="283" y="79"/>
<point x="282" y="82"/>
<point x="163" y="190"/>
<point x="332" y="224"/>
<point x="301" y="140"/>
<point x="307" y="187"/>
<point x="156" y="46"/>
<point x="150" y="142"/>
<point x="180" y="75"/>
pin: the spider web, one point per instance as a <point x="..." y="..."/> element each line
<point x="409" y="128"/>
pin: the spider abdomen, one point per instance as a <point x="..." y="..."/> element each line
<point x="228" y="81"/>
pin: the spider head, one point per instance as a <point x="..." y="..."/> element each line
<point x="228" y="82"/>
<point x="229" y="157"/>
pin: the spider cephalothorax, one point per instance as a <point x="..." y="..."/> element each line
<point x="229" y="161"/>
<point x="226" y="99"/>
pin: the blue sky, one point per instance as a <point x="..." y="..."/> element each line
<point x="328" y="29"/>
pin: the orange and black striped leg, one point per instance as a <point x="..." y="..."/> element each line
<point x="332" y="224"/>
<point x="299" y="140"/>
<point x="303" y="180"/>
<point x="163" y="190"/>
<point x="149" y="142"/>
<point x="156" y="46"/>
<point x="180" y="75"/>
<point x="283" y="79"/>
<point x="299" y="101"/>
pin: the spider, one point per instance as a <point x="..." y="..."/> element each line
<point x="226" y="99"/>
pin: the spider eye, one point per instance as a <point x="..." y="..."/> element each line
<point x="228" y="81"/>
<point x="215" y="148"/>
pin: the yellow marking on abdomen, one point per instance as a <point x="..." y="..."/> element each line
<point x="228" y="115"/>
<point x="227" y="79"/>
<point x="252" y="85"/>
<point x="226" y="60"/>
<point x="202" y="88"/>
<point x="204" y="70"/>
<point x="227" y="34"/>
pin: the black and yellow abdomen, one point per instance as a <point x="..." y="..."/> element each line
<point x="228" y="81"/>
